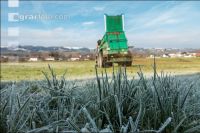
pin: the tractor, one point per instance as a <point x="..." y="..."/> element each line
<point x="113" y="47"/>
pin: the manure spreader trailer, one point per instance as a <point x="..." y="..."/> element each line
<point x="113" y="47"/>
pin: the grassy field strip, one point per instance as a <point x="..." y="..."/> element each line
<point x="85" y="69"/>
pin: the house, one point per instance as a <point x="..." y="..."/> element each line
<point x="182" y="54"/>
<point x="193" y="54"/>
<point x="4" y="59"/>
<point x="152" y="56"/>
<point x="60" y="59"/>
<point x="33" y="59"/>
<point x="86" y="57"/>
<point x="49" y="59"/>
<point x="197" y="54"/>
<point x="165" y="56"/>
<point x="75" y="57"/>
<point x="172" y="55"/>
<point x="188" y="56"/>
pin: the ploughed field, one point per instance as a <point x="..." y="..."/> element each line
<point x="85" y="69"/>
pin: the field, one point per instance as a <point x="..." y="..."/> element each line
<point x="159" y="104"/>
<point x="85" y="69"/>
<point x="46" y="98"/>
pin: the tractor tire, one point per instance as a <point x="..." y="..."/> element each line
<point x="120" y="64"/>
<point x="128" y="64"/>
<point x="107" y="64"/>
<point x="125" y="64"/>
<point x="110" y="64"/>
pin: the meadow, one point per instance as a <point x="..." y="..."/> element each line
<point x="159" y="104"/>
<point x="85" y="69"/>
<point x="152" y="97"/>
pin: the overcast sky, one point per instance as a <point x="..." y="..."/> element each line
<point x="147" y="23"/>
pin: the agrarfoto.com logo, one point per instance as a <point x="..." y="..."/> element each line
<point x="27" y="17"/>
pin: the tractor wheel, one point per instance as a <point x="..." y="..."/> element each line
<point x="128" y="64"/>
<point x="107" y="64"/>
<point x="120" y="64"/>
<point x="110" y="64"/>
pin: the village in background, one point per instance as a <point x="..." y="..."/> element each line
<point x="40" y="53"/>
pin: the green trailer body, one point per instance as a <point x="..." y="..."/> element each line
<point x="114" y="23"/>
<point x="113" y="47"/>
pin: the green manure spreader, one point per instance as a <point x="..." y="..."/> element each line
<point x="113" y="47"/>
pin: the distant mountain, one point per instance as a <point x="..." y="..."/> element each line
<point x="43" y="49"/>
<point x="146" y="51"/>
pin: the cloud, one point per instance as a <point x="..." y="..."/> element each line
<point x="166" y="39"/>
<point x="147" y="24"/>
<point x="58" y="29"/>
<point x="172" y="21"/>
<point x="161" y="20"/>
<point x="98" y="8"/>
<point x="164" y="14"/>
<point x="55" y="37"/>
<point x="88" y="38"/>
<point x="88" y="23"/>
